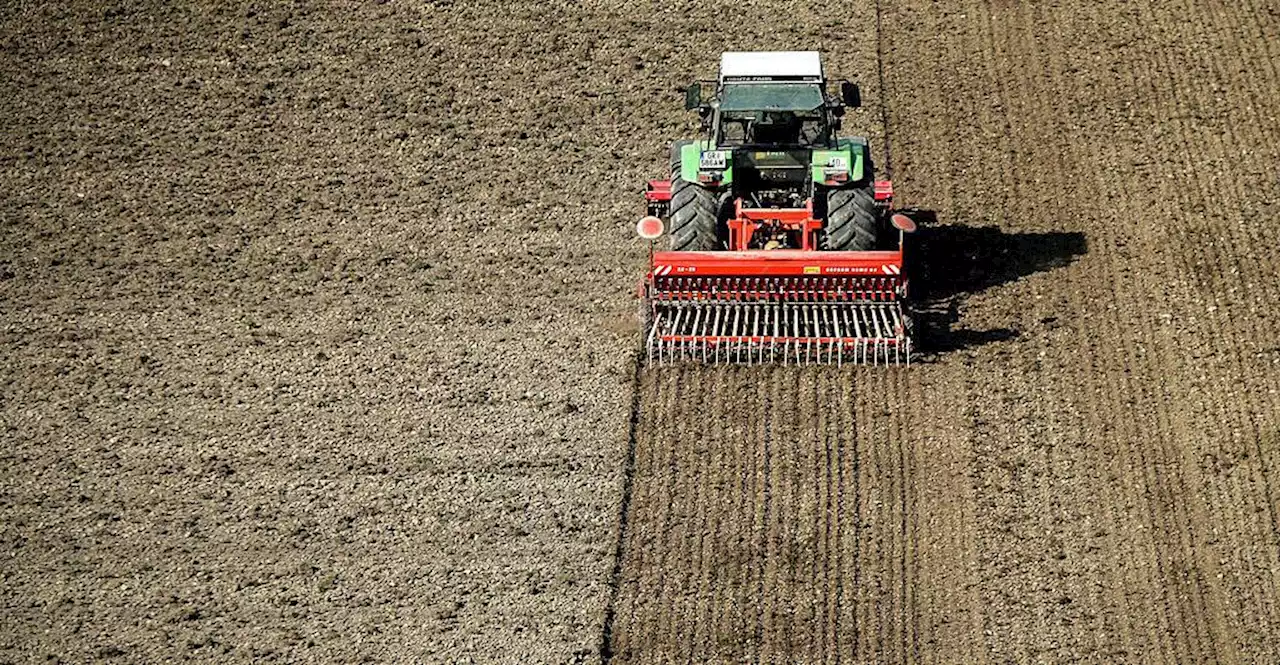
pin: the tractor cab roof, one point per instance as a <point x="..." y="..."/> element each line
<point x="770" y="66"/>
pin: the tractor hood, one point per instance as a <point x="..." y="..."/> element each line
<point x="772" y="168"/>
<point x="797" y="158"/>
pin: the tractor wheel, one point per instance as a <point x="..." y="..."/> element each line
<point x="852" y="222"/>
<point x="675" y="157"/>
<point x="694" y="219"/>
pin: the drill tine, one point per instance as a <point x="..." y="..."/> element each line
<point x="715" y="331"/>
<point x="786" y="328"/>
<point x="709" y="332"/>
<point x="697" y="320"/>
<point x="794" y="343"/>
<point x="804" y="318"/>
<point x="759" y="340"/>
<point x="889" y="333"/>
<point x="811" y="352"/>
<point x="835" y="336"/>
<point x="740" y="316"/>
<point x="839" y="339"/>
<point x="650" y="334"/>
<point x="701" y="345"/>
<point x="856" y="313"/>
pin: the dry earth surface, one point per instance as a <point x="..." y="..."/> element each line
<point x="314" y="327"/>
<point x="316" y="342"/>
<point x="1085" y="469"/>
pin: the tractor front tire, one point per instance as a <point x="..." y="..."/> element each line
<point x="852" y="222"/>
<point x="694" y="219"/>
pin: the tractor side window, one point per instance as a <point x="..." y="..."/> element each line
<point x="735" y="129"/>
<point x="813" y="131"/>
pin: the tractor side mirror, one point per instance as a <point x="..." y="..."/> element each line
<point x="692" y="97"/>
<point x="850" y="94"/>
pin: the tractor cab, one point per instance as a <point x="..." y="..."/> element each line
<point x="772" y="115"/>
<point x="771" y="131"/>
<point x="772" y="98"/>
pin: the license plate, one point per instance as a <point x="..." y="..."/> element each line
<point x="712" y="160"/>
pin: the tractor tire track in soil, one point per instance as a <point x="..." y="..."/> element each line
<point x="775" y="518"/>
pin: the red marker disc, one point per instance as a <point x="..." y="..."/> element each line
<point x="903" y="223"/>
<point x="649" y="227"/>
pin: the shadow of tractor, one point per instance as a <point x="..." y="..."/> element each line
<point x="949" y="262"/>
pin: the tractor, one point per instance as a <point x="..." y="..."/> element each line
<point x="782" y="243"/>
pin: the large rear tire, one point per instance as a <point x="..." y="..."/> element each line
<point x="693" y="217"/>
<point x="852" y="223"/>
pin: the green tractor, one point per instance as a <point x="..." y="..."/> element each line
<point x="771" y="141"/>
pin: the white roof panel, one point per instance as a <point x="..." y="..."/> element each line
<point x="769" y="64"/>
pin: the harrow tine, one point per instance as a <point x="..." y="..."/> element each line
<point x="753" y="314"/>
<point x="759" y="343"/>
<point x="652" y="334"/>
<point x="715" y="330"/>
<point x="833" y="326"/>
<point x="732" y="349"/>
<point x="855" y="314"/>
<point x="836" y="345"/>
<point x="698" y="330"/>
<point x="815" y="342"/>
<point x="842" y="316"/>
<point x="795" y="334"/>
<point x="797" y="324"/>
<point x="808" y="346"/>
<point x="697" y="321"/>
<point x="737" y="325"/>
<point x="816" y="336"/>
<point x="831" y="346"/>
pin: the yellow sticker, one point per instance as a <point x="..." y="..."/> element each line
<point x="812" y="270"/>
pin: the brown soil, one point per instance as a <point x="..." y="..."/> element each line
<point x="316" y="343"/>
<point x="1084" y="470"/>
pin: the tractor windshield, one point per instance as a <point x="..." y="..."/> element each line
<point x="773" y="114"/>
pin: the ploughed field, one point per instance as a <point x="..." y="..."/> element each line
<point x="317" y="337"/>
